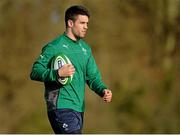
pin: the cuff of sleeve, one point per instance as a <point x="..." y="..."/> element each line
<point x="101" y="91"/>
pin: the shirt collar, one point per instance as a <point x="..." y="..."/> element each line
<point x="75" y="41"/>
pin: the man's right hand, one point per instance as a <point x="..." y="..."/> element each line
<point x="66" y="70"/>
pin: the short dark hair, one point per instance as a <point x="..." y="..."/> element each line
<point x="73" y="11"/>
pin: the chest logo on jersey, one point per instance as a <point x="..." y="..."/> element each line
<point x="65" y="46"/>
<point x="84" y="51"/>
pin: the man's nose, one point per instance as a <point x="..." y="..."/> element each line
<point x="86" y="26"/>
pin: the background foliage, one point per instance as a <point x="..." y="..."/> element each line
<point x="136" y="46"/>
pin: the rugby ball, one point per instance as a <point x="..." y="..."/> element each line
<point x="57" y="62"/>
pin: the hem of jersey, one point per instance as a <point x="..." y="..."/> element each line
<point x="72" y="107"/>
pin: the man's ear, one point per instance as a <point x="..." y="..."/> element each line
<point x="70" y="23"/>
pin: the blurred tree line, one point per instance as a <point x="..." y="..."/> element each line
<point x="135" y="44"/>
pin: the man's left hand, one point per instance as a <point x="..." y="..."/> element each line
<point x="107" y="95"/>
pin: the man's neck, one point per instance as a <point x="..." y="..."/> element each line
<point x="70" y="35"/>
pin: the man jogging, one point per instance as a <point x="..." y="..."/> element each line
<point x="65" y="103"/>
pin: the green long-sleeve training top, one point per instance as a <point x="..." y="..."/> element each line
<point x="86" y="71"/>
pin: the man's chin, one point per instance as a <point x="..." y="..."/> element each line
<point x="82" y="36"/>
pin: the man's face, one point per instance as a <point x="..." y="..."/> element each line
<point x="80" y="26"/>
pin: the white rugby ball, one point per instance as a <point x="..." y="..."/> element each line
<point x="57" y="62"/>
